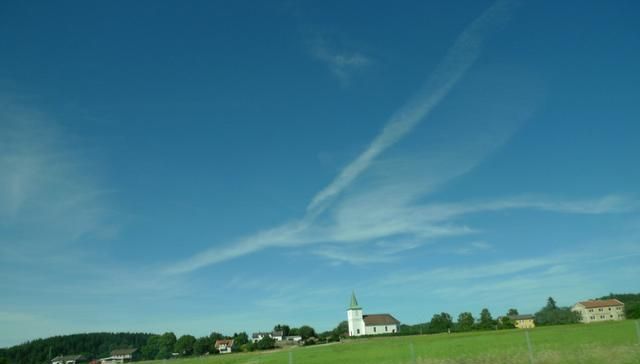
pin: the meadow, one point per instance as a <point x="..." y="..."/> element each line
<point x="612" y="342"/>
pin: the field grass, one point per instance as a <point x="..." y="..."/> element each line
<point x="610" y="343"/>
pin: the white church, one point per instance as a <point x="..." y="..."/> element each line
<point x="376" y="324"/>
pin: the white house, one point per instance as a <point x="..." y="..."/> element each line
<point x="223" y="346"/>
<point x="374" y="324"/>
<point x="599" y="310"/>
<point x="275" y="335"/>
<point x="119" y="356"/>
<point x="68" y="359"/>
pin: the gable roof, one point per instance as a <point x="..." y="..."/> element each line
<point x="223" y="342"/>
<point x="129" y="351"/>
<point x="521" y="317"/>
<point x="379" y="319"/>
<point x="601" y="303"/>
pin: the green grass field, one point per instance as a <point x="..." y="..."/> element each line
<point x="614" y="342"/>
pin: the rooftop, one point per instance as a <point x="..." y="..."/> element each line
<point x="601" y="303"/>
<point x="379" y="319"/>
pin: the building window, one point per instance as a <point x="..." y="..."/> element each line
<point x="611" y="316"/>
<point x="358" y="331"/>
<point x="593" y="317"/>
<point x="609" y="308"/>
<point x="599" y="309"/>
<point x="385" y="329"/>
<point x="591" y="310"/>
<point x="374" y="329"/>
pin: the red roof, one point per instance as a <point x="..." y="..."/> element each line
<point x="223" y="342"/>
<point x="601" y="303"/>
<point x="379" y="319"/>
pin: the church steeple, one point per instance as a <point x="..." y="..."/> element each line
<point x="354" y="302"/>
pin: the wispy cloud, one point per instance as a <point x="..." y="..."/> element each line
<point x="456" y="62"/>
<point x="341" y="63"/>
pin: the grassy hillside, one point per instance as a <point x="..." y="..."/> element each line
<point x="614" y="342"/>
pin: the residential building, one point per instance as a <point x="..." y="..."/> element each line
<point x="68" y="359"/>
<point x="275" y="335"/>
<point x="523" y="321"/>
<point x="374" y="324"/>
<point x="120" y="356"/>
<point x="223" y="346"/>
<point x="599" y="310"/>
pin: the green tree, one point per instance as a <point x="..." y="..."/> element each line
<point x="166" y="344"/>
<point x="551" y="314"/>
<point x="506" y="323"/>
<point x="307" y="332"/>
<point x="512" y="312"/>
<point x="465" y="321"/>
<point x="151" y="349"/>
<point x="486" y="321"/>
<point x="201" y="346"/>
<point x="632" y="310"/>
<point x="184" y="345"/>
<point x="266" y="343"/>
<point x="240" y="339"/>
<point x="215" y="336"/>
<point x="440" y="322"/>
<point x="284" y="328"/>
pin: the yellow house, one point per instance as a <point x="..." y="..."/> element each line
<point x="523" y="321"/>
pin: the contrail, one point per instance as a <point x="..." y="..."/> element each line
<point x="459" y="58"/>
<point x="454" y="65"/>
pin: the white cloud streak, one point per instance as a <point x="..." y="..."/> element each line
<point x="342" y="64"/>
<point x="459" y="58"/>
<point x="456" y="62"/>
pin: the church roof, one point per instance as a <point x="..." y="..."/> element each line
<point x="379" y="319"/>
<point x="354" y="302"/>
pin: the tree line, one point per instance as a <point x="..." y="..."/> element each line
<point x="93" y="345"/>
<point x="550" y="314"/>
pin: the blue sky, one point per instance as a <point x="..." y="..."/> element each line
<point x="227" y="166"/>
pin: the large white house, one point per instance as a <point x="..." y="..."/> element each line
<point x="376" y="324"/>
<point x="119" y="356"/>
<point x="599" y="310"/>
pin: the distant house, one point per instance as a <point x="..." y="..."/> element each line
<point x="223" y="346"/>
<point x="523" y="321"/>
<point x="377" y="324"/>
<point x="119" y="356"/>
<point x="294" y="339"/>
<point x="68" y="359"/>
<point x="599" y="310"/>
<point x="275" y="335"/>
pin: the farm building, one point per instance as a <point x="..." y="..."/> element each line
<point x="223" y="346"/>
<point x="375" y="324"/>
<point x="119" y="356"/>
<point x="523" y="321"/>
<point x="599" y="310"/>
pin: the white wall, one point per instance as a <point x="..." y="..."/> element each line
<point x="356" y="323"/>
<point x="381" y="329"/>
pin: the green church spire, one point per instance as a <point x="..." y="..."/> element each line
<point x="354" y="302"/>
